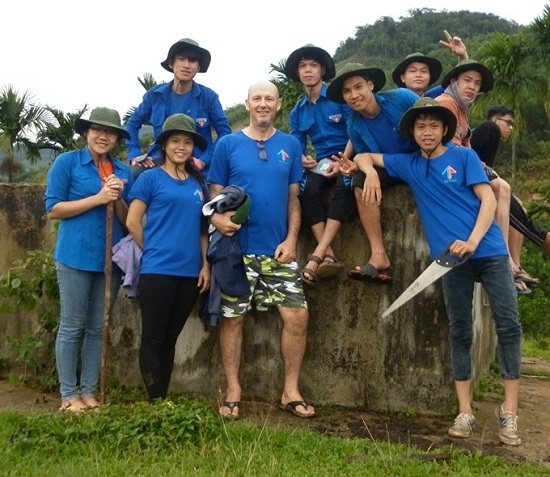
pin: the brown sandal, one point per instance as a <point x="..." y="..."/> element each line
<point x="329" y="267"/>
<point x="313" y="278"/>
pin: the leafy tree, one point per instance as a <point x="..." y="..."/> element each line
<point x="20" y="119"/>
<point x="515" y="83"/>
<point x="59" y="135"/>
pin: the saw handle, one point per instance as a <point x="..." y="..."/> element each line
<point x="450" y="261"/>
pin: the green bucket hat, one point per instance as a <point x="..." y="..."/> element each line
<point x="309" y="52"/>
<point x="183" y="45"/>
<point x="104" y="117"/>
<point x="467" y="65"/>
<point x="433" y="65"/>
<point x="427" y="105"/>
<point x="178" y="123"/>
<point x="376" y="75"/>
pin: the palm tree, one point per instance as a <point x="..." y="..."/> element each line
<point x="20" y="119"/>
<point x="290" y="91"/>
<point x="147" y="81"/>
<point x="516" y="84"/>
<point x="60" y="136"/>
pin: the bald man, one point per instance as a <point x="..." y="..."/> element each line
<point x="267" y="164"/>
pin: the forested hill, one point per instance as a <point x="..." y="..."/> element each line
<point x="386" y="42"/>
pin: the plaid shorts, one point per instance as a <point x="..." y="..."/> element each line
<point x="271" y="284"/>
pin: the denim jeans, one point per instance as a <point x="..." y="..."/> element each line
<point x="81" y="298"/>
<point x="458" y="287"/>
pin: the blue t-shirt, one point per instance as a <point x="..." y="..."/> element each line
<point x="172" y="233"/>
<point x="201" y="103"/>
<point x="324" y="122"/>
<point x="381" y="134"/>
<point x="237" y="162"/>
<point x="447" y="204"/>
<point x="81" y="239"/>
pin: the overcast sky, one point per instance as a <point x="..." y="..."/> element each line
<point x="68" y="54"/>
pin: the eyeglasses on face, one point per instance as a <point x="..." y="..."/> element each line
<point x="509" y="122"/>
<point x="262" y="153"/>
<point x="99" y="130"/>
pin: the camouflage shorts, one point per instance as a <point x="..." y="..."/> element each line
<point x="271" y="284"/>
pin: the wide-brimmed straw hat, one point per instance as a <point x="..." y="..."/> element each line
<point x="433" y="65"/>
<point x="309" y="52"/>
<point x="104" y="117"/>
<point x="181" y="123"/>
<point x="183" y="45"/>
<point x="468" y="65"/>
<point x="423" y="106"/>
<point x="376" y="75"/>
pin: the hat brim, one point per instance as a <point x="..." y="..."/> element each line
<point x="200" y="141"/>
<point x="291" y="65"/>
<point x="376" y="75"/>
<point x="433" y="65"/>
<point x="182" y="47"/>
<point x="82" y="125"/>
<point x="407" y="121"/>
<point x="486" y="75"/>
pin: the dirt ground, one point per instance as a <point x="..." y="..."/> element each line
<point x="424" y="433"/>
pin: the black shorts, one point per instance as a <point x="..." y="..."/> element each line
<point x="386" y="181"/>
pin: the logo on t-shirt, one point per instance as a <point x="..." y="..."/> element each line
<point x="283" y="155"/>
<point x="449" y="171"/>
<point x="335" y="117"/>
<point x="198" y="193"/>
<point x="201" y="121"/>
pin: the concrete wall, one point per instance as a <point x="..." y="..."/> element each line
<point x="353" y="357"/>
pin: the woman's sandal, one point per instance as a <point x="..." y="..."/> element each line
<point x="329" y="267"/>
<point x="91" y="402"/>
<point x="75" y="405"/>
<point x="313" y="278"/>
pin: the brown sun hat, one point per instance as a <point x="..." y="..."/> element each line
<point x="376" y="75"/>
<point x="187" y="44"/>
<point x="467" y="65"/>
<point x="423" y="106"/>
<point x="181" y="123"/>
<point x="104" y="117"/>
<point x="310" y="52"/>
<point x="433" y="65"/>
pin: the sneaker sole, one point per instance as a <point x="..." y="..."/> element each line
<point x="509" y="442"/>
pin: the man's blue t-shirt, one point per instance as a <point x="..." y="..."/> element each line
<point x="237" y="161"/>
<point x="446" y="201"/>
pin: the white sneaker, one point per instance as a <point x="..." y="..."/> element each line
<point x="507" y="427"/>
<point x="462" y="426"/>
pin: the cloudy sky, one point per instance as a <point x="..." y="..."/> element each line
<point x="69" y="54"/>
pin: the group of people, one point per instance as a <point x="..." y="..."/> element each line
<point x="363" y="141"/>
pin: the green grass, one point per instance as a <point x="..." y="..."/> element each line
<point x="536" y="348"/>
<point x="186" y="437"/>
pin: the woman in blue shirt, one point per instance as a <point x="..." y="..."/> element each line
<point x="174" y="269"/>
<point x="80" y="184"/>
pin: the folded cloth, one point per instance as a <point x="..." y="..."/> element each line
<point x="228" y="274"/>
<point x="127" y="255"/>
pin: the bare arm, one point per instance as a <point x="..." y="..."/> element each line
<point x="286" y="251"/>
<point x="134" y="221"/>
<point x="483" y="222"/>
<point x="204" y="274"/>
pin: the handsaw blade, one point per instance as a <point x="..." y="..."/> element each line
<point x="439" y="267"/>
